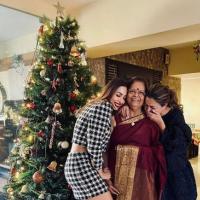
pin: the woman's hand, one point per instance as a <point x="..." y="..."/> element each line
<point x="156" y="117"/>
<point x="125" y="112"/>
<point x="112" y="189"/>
<point x="105" y="174"/>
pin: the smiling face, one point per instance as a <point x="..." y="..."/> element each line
<point x="136" y="95"/>
<point x="118" y="98"/>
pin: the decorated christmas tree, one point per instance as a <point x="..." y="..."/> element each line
<point x="59" y="83"/>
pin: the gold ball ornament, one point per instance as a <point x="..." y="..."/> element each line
<point x="37" y="177"/>
<point x="30" y="139"/>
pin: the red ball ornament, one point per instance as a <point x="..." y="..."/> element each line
<point x="37" y="177"/>
<point x="30" y="105"/>
<point x="41" y="30"/>
<point x="40" y="134"/>
<point x="13" y="171"/>
<point x="50" y="62"/>
<point x="33" y="106"/>
<point x="72" y="108"/>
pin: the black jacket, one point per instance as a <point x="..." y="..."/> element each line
<point x="176" y="138"/>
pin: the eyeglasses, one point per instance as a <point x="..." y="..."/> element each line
<point x="138" y="92"/>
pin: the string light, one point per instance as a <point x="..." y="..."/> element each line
<point x="26" y="128"/>
<point x="93" y="79"/>
<point x="22" y="168"/>
<point x="45" y="28"/>
<point x="98" y="94"/>
<point x="28" y="105"/>
<point x="30" y="139"/>
<point x="17" y="174"/>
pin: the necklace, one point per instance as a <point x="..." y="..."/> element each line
<point x="132" y="120"/>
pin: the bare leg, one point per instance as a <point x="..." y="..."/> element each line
<point x="104" y="196"/>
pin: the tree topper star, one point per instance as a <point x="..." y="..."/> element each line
<point x="59" y="9"/>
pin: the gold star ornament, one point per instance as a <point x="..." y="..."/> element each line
<point x="59" y="9"/>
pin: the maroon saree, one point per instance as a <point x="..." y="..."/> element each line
<point x="136" y="160"/>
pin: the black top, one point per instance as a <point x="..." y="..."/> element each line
<point x="176" y="138"/>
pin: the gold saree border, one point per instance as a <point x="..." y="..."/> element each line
<point x="132" y="120"/>
<point x="126" y="160"/>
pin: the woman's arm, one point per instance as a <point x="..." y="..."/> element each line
<point x="111" y="187"/>
<point x="98" y="126"/>
<point x="124" y="112"/>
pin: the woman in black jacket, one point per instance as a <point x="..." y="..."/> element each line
<point x="162" y="107"/>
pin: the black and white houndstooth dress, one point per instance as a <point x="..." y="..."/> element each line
<point x="92" y="130"/>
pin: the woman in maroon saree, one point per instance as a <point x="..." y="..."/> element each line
<point x="135" y="156"/>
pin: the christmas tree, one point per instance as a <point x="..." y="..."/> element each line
<point x="59" y="83"/>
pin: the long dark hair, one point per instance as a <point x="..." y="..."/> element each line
<point x="163" y="95"/>
<point x="111" y="88"/>
<point x="107" y="92"/>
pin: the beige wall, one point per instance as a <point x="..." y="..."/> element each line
<point x="190" y="99"/>
<point x="182" y="61"/>
<point x="141" y="24"/>
<point x="108" y="21"/>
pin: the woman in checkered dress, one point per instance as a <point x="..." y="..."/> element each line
<point x="84" y="166"/>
